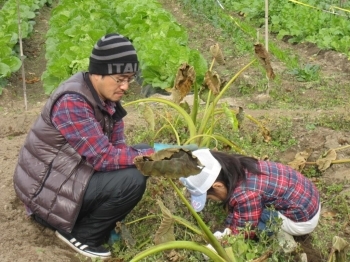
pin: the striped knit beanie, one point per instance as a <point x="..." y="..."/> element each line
<point x="113" y="54"/>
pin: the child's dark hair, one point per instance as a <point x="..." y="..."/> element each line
<point x="233" y="169"/>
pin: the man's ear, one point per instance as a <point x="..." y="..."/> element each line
<point x="96" y="77"/>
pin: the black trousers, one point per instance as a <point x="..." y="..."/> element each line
<point x="109" y="198"/>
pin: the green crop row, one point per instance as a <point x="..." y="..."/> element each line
<point x="75" y="26"/>
<point x="321" y="23"/>
<point x="9" y="58"/>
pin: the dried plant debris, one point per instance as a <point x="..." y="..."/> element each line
<point x="184" y="80"/>
<point x="212" y="81"/>
<point x="170" y="163"/>
<point x="264" y="59"/>
<point x="325" y="161"/>
<point x="165" y="232"/>
<point x="339" y="249"/>
<point x="217" y="54"/>
<point x="240" y="116"/>
<point x="300" y="159"/>
<point x="125" y="235"/>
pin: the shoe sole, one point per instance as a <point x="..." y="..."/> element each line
<point x="87" y="254"/>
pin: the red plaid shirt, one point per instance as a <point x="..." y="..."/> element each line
<point x="75" y="119"/>
<point x="278" y="186"/>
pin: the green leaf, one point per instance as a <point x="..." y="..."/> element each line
<point x="231" y="117"/>
<point x="250" y="256"/>
<point x="5" y="70"/>
<point x="27" y="14"/>
<point x="5" y="51"/>
<point x="79" y="65"/>
<point x="13" y="62"/>
<point x="242" y="247"/>
<point x="8" y="39"/>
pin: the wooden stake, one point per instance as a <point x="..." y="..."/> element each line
<point x="267" y="38"/>
<point x="22" y="56"/>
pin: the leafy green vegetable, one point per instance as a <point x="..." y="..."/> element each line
<point x="161" y="43"/>
<point x="9" y="59"/>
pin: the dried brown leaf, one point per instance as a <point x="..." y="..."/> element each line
<point x="169" y="162"/>
<point x="213" y="82"/>
<point x="329" y="214"/>
<point x="339" y="249"/>
<point x="299" y="160"/>
<point x="165" y="232"/>
<point x="326" y="161"/>
<point x="266" y="134"/>
<point x="264" y="59"/>
<point x="264" y="257"/>
<point x="173" y="256"/>
<point x="217" y="54"/>
<point x="184" y="80"/>
<point x="33" y="80"/>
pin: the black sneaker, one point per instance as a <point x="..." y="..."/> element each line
<point x="94" y="252"/>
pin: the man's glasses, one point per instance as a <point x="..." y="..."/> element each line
<point x="120" y="82"/>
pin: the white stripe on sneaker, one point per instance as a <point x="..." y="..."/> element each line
<point x="72" y="240"/>
<point x="83" y="247"/>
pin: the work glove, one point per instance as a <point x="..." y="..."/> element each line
<point x="160" y="146"/>
<point x="219" y="235"/>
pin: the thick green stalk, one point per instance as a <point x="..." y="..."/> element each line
<point x="205" y="119"/>
<point x="178" y="245"/>
<point x="197" y="136"/>
<point x="195" y="105"/>
<point x="212" y="240"/>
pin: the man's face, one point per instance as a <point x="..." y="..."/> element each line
<point x="112" y="87"/>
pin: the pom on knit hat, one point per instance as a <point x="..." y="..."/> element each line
<point x="113" y="54"/>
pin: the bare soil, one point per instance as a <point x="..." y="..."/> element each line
<point x="23" y="240"/>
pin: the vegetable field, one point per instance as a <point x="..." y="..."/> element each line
<point x="295" y="103"/>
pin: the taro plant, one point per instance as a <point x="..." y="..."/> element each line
<point x="200" y="121"/>
<point x="175" y="163"/>
<point x="172" y="163"/>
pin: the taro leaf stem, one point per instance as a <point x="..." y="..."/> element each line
<point x="212" y="240"/>
<point x="178" y="245"/>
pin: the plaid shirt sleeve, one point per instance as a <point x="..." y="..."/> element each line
<point x="75" y="119"/>
<point x="244" y="209"/>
